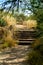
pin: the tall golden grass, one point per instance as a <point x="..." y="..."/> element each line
<point x="30" y="24"/>
<point x="9" y="19"/>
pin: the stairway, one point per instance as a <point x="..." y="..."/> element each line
<point x="26" y="37"/>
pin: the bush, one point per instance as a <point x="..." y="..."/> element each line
<point x="6" y="39"/>
<point x="35" y="57"/>
<point x="2" y="22"/>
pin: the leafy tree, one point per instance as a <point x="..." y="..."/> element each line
<point x="13" y="4"/>
<point x="31" y="5"/>
<point x="36" y="5"/>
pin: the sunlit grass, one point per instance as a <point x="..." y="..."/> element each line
<point x="9" y="19"/>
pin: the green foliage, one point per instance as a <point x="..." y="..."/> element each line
<point x="39" y="18"/>
<point x="20" y="17"/>
<point x="39" y="15"/>
<point x="35" y="57"/>
<point x="40" y="26"/>
<point x="2" y="22"/>
<point x="32" y="5"/>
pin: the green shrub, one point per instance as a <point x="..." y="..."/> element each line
<point x="35" y="57"/>
<point x="38" y="42"/>
<point x="2" y="22"/>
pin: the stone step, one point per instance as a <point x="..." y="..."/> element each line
<point x="16" y="56"/>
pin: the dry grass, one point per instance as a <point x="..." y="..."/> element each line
<point x="9" y="19"/>
<point x="30" y="24"/>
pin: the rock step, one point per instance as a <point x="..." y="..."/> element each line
<point x="15" y="56"/>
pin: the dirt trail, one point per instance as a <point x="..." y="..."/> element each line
<point x="14" y="56"/>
